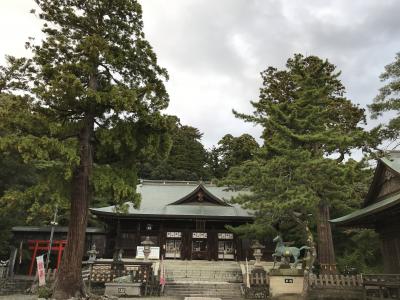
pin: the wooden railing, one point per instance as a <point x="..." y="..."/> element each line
<point x="255" y="285"/>
<point x="339" y="281"/>
<point x="381" y="286"/>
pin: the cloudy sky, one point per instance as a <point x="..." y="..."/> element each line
<point x="215" y="50"/>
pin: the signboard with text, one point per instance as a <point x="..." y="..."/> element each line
<point x="154" y="252"/>
<point x="225" y="236"/>
<point x="40" y="270"/>
<point x="174" y="234"/>
<point x="199" y="235"/>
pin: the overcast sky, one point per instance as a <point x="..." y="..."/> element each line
<point x="215" y="50"/>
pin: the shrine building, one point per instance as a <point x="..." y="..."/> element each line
<point x="381" y="210"/>
<point x="184" y="220"/>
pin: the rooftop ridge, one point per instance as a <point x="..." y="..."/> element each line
<point x="174" y="182"/>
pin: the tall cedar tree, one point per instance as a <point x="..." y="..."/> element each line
<point x="307" y="121"/>
<point x="388" y="100"/>
<point x="98" y="92"/>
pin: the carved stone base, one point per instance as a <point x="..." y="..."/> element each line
<point x="286" y="286"/>
<point x="122" y="289"/>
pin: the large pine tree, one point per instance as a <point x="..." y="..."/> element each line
<point x="388" y="100"/>
<point x="309" y="128"/>
<point x="96" y="89"/>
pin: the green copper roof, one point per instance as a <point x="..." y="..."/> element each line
<point x="159" y="199"/>
<point x="392" y="160"/>
<point x="361" y="215"/>
<point x="366" y="215"/>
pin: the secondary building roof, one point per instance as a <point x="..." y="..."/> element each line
<point x="180" y="199"/>
<point x="376" y="206"/>
<point x="367" y="215"/>
<point x="62" y="229"/>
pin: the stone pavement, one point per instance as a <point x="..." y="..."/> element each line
<point x="18" y="297"/>
<point x="34" y="297"/>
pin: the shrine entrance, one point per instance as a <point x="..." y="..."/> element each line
<point x="226" y="248"/>
<point x="173" y="245"/>
<point x="199" y="245"/>
<point x="42" y="246"/>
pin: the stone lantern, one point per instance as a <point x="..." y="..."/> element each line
<point x="147" y="244"/>
<point x="257" y="252"/>
<point x="92" y="253"/>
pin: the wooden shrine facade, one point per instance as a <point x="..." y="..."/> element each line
<point x="176" y="239"/>
<point x="381" y="210"/>
<point x="184" y="220"/>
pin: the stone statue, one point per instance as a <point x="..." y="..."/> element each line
<point x="311" y="255"/>
<point x="285" y="252"/>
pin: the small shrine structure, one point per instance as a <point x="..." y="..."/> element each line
<point x="381" y="210"/>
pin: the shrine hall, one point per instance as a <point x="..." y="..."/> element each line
<point x="184" y="220"/>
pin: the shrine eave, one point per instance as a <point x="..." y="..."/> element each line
<point x="370" y="213"/>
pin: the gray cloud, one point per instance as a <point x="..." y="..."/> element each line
<point x="215" y="50"/>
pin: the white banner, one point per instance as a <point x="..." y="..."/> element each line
<point x="225" y="236"/>
<point x="174" y="234"/>
<point x="199" y="235"/>
<point x="154" y="252"/>
<point x="40" y="270"/>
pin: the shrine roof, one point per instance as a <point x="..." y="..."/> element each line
<point x="169" y="199"/>
<point x="373" y="209"/>
<point x="56" y="229"/>
<point x="367" y="214"/>
<point x="392" y="160"/>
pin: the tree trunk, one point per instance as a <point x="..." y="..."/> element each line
<point x="326" y="252"/>
<point x="69" y="278"/>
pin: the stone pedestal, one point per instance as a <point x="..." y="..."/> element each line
<point x="122" y="289"/>
<point x="286" y="284"/>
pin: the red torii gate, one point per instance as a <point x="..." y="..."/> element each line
<point x="43" y="245"/>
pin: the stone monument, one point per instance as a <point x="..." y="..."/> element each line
<point x="286" y="280"/>
<point x="123" y="286"/>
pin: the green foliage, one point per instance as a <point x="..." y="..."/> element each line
<point x="44" y="292"/>
<point x="231" y="151"/>
<point x="92" y="83"/>
<point x="186" y="159"/>
<point x="309" y="128"/>
<point x="388" y="100"/>
<point x="360" y="251"/>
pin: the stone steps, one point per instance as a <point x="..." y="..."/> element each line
<point x="191" y="289"/>
<point x="203" y="271"/>
<point x="203" y="279"/>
